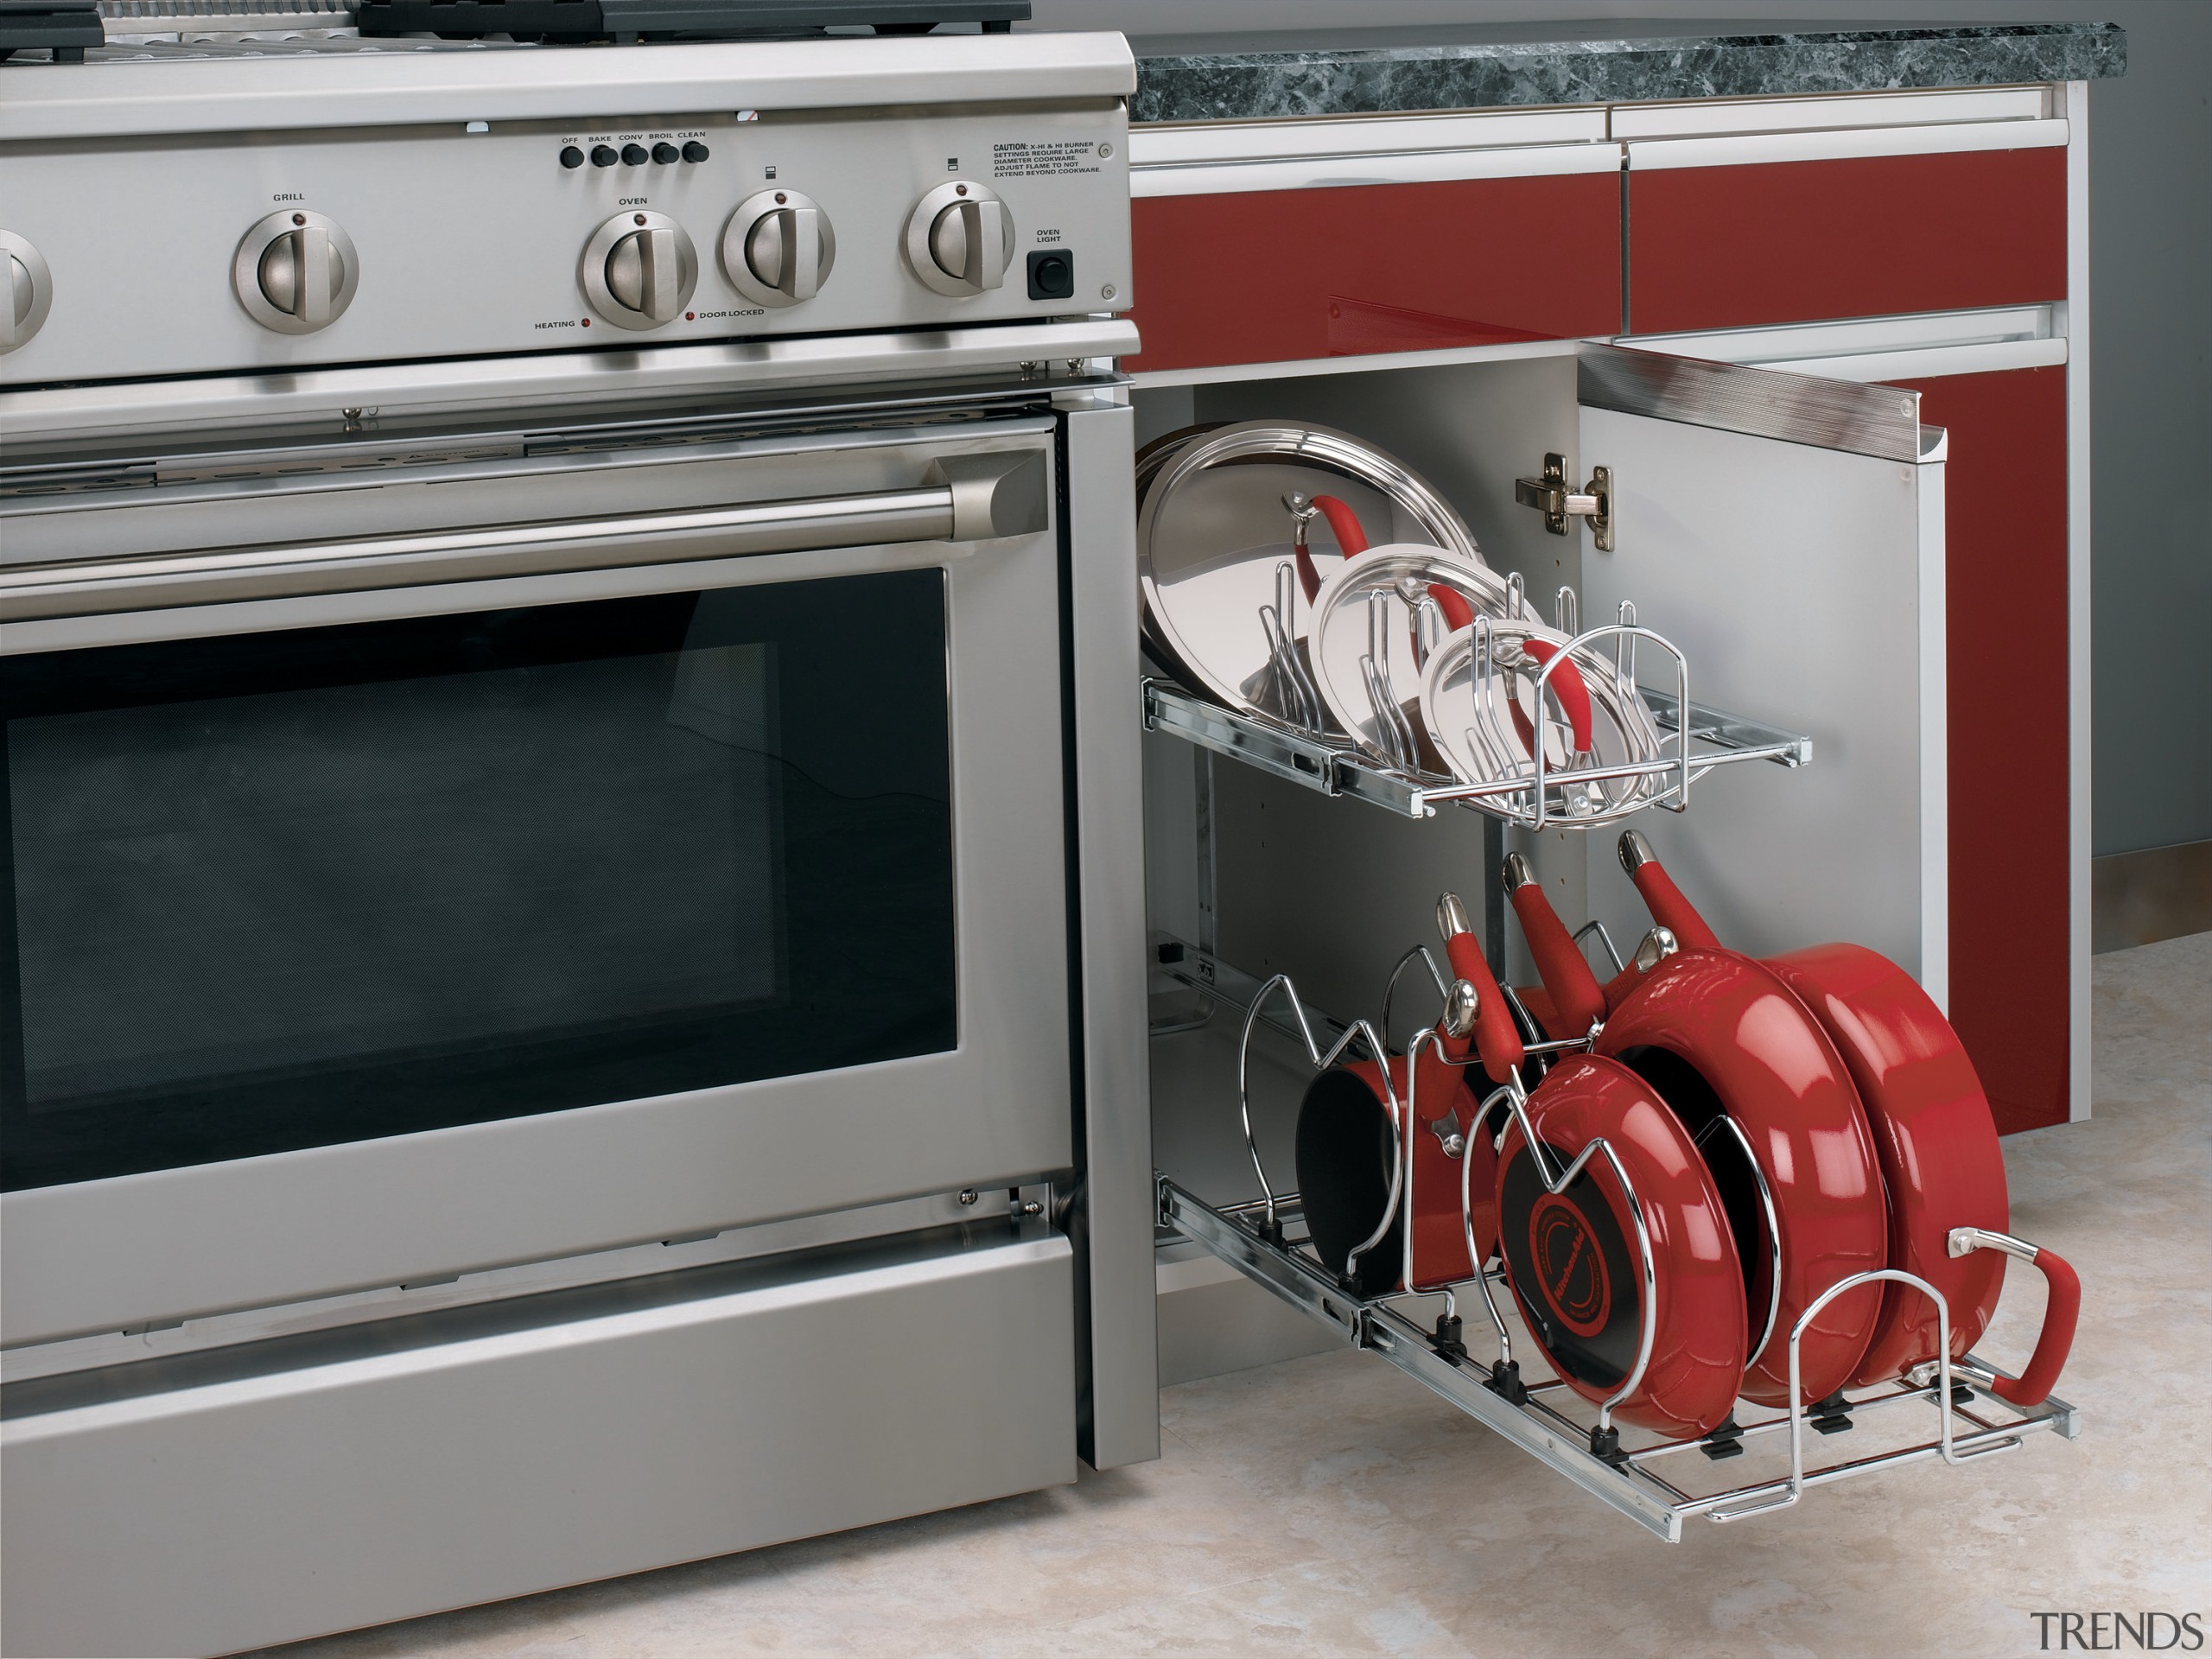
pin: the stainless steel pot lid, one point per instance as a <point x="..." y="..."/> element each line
<point x="1376" y="620"/>
<point x="1469" y="719"/>
<point x="1214" y="544"/>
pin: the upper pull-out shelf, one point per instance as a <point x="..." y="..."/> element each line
<point x="1338" y="766"/>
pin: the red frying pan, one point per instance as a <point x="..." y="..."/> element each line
<point x="1593" y="1267"/>
<point x="1937" y="1145"/>
<point x="1744" y="1067"/>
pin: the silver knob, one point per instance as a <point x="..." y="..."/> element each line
<point x="639" y="270"/>
<point x="26" y="291"/>
<point x="960" y="238"/>
<point x="777" y="247"/>
<point x="295" y="272"/>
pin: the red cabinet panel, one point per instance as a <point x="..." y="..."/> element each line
<point x="2005" y="598"/>
<point x="1285" y="274"/>
<point x="1732" y="247"/>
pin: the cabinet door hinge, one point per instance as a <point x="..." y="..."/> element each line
<point x="1558" y="500"/>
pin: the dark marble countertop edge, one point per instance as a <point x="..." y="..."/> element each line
<point x="1278" y="84"/>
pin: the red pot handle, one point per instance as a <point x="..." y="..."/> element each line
<point x="1566" y="685"/>
<point x="1497" y="1041"/>
<point x="1344" y="524"/>
<point x="1661" y="897"/>
<point x="1458" y="614"/>
<point x="1572" y="987"/>
<point x="2033" y="1386"/>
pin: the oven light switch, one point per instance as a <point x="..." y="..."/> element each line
<point x="1052" y="274"/>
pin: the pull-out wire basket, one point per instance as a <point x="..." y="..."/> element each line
<point x="1944" y="1411"/>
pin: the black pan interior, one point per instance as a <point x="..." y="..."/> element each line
<point x="1698" y="1106"/>
<point x="1344" y="1157"/>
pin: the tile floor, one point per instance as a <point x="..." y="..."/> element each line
<point x="1330" y="1506"/>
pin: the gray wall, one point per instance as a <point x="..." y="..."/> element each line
<point x="2151" y="316"/>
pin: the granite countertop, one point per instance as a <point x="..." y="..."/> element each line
<point x="1266" y="77"/>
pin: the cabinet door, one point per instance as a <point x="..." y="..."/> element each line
<point x="1718" y="237"/>
<point x="1787" y="533"/>
<point x="1355" y="269"/>
<point x="2006" y="607"/>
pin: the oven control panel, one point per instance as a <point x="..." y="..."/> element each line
<point x="488" y="238"/>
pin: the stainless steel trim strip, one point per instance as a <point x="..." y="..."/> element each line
<point x="1112" y="1222"/>
<point x="335" y="401"/>
<point x="123" y="100"/>
<point x="1880" y="421"/>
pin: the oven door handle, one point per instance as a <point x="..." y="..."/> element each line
<point x="962" y="498"/>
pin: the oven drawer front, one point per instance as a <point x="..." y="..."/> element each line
<point x="271" y="1508"/>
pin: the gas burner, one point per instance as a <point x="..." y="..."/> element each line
<point x="580" y="21"/>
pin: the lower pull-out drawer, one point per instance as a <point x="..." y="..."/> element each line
<point x="625" y="1428"/>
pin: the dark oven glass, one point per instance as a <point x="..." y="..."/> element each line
<point x="289" y="889"/>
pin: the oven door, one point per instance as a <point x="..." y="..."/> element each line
<point x="613" y="839"/>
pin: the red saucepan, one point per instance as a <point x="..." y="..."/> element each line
<point x="1348" y="1154"/>
<point x="1759" y="1083"/>
<point x="1941" y="1165"/>
<point x="1574" y="1242"/>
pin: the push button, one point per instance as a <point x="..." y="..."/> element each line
<point x="1052" y="274"/>
<point x="571" y="157"/>
<point x="635" y="155"/>
<point x="665" y="153"/>
<point x="604" y="156"/>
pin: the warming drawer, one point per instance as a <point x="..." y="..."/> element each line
<point x="387" y="1475"/>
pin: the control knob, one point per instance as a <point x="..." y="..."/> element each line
<point x="26" y="291"/>
<point x="960" y="238"/>
<point x="777" y="247"/>
<point x="295" y="272"/>
<point x="639" y="270"/>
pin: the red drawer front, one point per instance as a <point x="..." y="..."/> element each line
<point x="1280" y="276"/>
<point x="1732" y="247"/>
<point x="2005" y="534"/>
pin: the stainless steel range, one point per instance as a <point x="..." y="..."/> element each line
<point x="574" y="948"/>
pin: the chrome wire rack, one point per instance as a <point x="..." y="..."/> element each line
<point x="1649" y="1479"/>
<point x="1286" y="730"/>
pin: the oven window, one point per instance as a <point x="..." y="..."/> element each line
<point x="292" y="889"/>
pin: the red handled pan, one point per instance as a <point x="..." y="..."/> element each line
<point x="1352" y="1135"/>
<point x="1941" y="1168"/>
<point x="1759" y="1083"/>
<point x="1615" y="1246"/>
